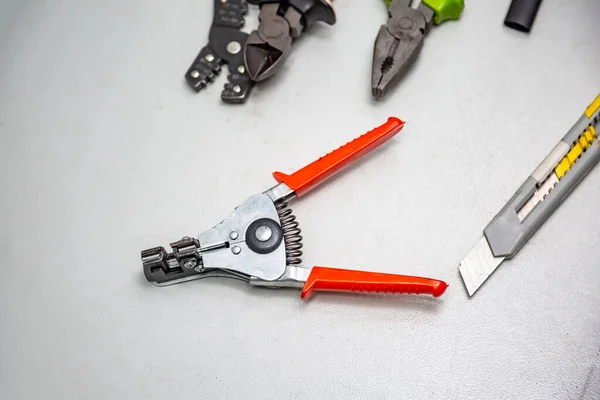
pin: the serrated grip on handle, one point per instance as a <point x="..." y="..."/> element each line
<point x="334" y="279"/>
<point x="325" y="167"/>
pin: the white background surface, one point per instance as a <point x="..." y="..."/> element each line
<point x="104" y="151"/>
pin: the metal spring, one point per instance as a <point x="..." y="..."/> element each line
<point x="291" y="234"/>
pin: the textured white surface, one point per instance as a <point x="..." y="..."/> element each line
<point x="104" y="152"/>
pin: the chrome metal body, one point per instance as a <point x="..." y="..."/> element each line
<point x="227" y="250"/>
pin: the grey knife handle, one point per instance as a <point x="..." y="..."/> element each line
<point x="506" y="234"/>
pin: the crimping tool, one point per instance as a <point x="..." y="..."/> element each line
<point x="260" y="241"/>
<point x="537" y="198"/>
<point x="259" y="55"/>
<point x="400" y="41"/>
<point x="281" y="22"/>
<point x="225" y="45"/>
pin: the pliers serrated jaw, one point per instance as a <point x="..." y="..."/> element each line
<point x="398" y="44"/>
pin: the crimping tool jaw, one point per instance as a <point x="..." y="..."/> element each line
<point x="269" y="46"/>
<point x="281" y="22"/>
<point x="225" y="42"/>
<point x="398" y="44"/>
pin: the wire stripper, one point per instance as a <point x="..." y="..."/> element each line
<point x="260" y="241"/>
<point x="537" y="198"/>
<point x="400" y="41"/>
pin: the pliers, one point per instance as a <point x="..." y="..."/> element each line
<point x="400" y="41"/>
<point x="281" y="21"/>
<point x="261" y="242"/>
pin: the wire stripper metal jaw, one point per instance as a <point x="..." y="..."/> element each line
<point x="260" y="242"/>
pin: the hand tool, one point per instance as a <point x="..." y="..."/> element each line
<point x="281" y="21"/>
<point x="521" y="14"/>
<point x="543" y="191"/>
<point x="260" y="241"/>
<point x="224" y="46"/>
<point x="400" y="41"/>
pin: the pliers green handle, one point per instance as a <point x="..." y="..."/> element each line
<point x="400" y="41"/>
<point x="443" y="9"/>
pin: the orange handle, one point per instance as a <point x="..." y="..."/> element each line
<point x="344" y="280"/>
<point x="325" y="167"/>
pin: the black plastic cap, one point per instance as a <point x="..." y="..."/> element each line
<point x="521" y="14"/>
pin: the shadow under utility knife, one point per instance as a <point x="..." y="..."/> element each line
<point x="281" y="21"/>
<point x="260" y="241"/>
<point x="543" y="191"/>
<point x="225" y="44"/>
<point x="400" y="41"/>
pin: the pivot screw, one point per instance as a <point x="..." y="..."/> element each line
<point x="234" y="47"/>
<point x="263" y="233"/>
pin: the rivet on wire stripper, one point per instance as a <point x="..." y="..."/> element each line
<point x="261" y="242"/>
<point x="400" y="41"/>
<point x="537" y="198"/>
